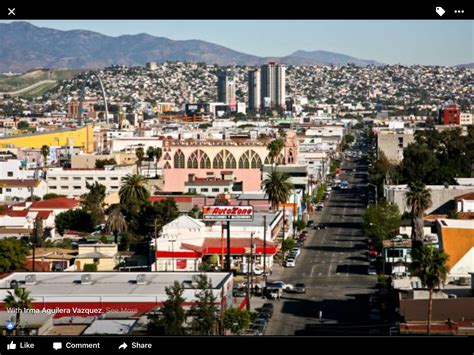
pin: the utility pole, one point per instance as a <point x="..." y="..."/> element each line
<point x="250" y="272"/>
<point x="228" y="247"/>
<point x="156" y="243"/>
<point x="264" y="256"/>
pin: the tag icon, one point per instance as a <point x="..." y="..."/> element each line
<point x="440" y="11"/>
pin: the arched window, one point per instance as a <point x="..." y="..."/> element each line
<point x="267" y="160"/>
<point x="167" y="166"/>
<point x="224" y="159"/>
<point x="179" y="160"/>
<point x="167" y="157"/>
<point x="199" y="159"/>
<point x="250" y="160"/>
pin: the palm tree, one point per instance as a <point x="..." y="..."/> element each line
<point x="44" y="153"/>
<point x="20" y="299"/>
<point x="116" y="223"/>
<point x="307" y="203"/>
<point x="419" y="198"/>
<point x="140" y="154"/>
<point x="278" y="187"/>
<point x="158" y="154"/>
<point x="429" y="264"/>
<point x="150" y="152"/>
<point x="133" y="189"/>
<point x="36" y="237"/>
<point x="274" y="150"/>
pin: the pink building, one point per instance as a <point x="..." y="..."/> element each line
<point x="210" y="158"/>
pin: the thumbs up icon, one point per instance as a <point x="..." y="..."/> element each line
<point x="11" y="346"/>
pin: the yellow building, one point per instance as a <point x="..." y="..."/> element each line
<point x="102" y="255"/>
<point x="78" y="137"/>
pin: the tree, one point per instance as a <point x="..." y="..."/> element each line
<point x="274" y="150"/>
<point x="13" y="254"/>
<point x="90" y="267"/>
<point x="20" y="299"/>
<point x="150" y="152"/>
<point x="50" y="196"/>
<point x="419" y="198"/>
<point x="140" y="154"/>
<point x="101" y="163"/>
<point x="204" y="311"/>
<point x="22" y="125"/>
<point x="45" y="153"/>
<point x="93" y="202"/>
<point x="236" y="320"/>
<point x="420" y="164"/>
<point x="195" y="212"/>
<point x="77" y="220"/>
<point x="382" y="221"/>
<point x="37" y="236"/>
<point x="172" y="316"/>
<point x="287" y="245"/>
<point x="116" y="223"/>
<point x="133" y="190"/>
<point x="429" y="264"/>
<point x="158" y="154"/>
<point x="278" y="187"/>
<point x="33" y="198"/>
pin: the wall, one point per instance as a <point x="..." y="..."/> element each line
<point x="458" y="243"/>
<point x="388" y="143"/>
<point x="81" y="137"/>
<point x="440" y="196"/>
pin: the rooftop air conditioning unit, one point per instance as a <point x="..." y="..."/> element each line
<point x="141" y="279"/>
<point x="30" y="279"/>
<point x="86" y="279"/>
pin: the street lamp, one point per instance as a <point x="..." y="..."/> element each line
<point x="250" y="271"/>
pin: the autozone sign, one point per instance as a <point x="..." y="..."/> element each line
<point x="227" y="213"/>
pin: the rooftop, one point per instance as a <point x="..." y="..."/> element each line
<point x="110" y="326"/>
<point x="457" y="223"/>
<point x="19" y="183"/>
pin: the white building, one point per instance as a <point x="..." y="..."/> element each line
<point x="465" y="119"/>
<point x="21" y="189"/>
<point x="72" y="182"/>
<point x="254" y="90"/>
<point x="129" y="144"/>
<point x="12" y="168"/>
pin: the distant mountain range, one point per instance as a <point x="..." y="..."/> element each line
<point x="467" y="66"/>
<point x="24" y="46"/>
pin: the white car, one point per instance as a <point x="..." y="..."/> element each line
<point x="290" y="263"/>
<point x="296" y="251"/>
<point x="280" y="284"/>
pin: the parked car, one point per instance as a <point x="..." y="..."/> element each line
<point x="263" y="315"/>
<point x="299" y="288"/>
<point x="320" y="226"/>
<point x="296" y="251"/>
<point x="239" y="292"/>
<point x="372" y="270"/>
<point x="267" y="307"/>
<point x="374" y="314"/>
<point x="310" y="223"/>
<point x="257" y="329"/>
<point x="262" y="322"/>
<point x="290" y="262"/>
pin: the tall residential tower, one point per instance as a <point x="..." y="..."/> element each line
<point x="254" y="90"/>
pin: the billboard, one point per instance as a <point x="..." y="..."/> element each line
<point x="227" y="213"/>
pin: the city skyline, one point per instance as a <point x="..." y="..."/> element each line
<point x="423" y="42"/>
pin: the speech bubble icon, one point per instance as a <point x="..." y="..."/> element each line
<point x="57" y="345"/>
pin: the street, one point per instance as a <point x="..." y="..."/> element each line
<point x="333" y="266"/>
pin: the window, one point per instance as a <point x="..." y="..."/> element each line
<point x="215" y="189"/>
<point x="114" y="178"/>
<point x="114" y="187"/>
<point x="64" y="178"/>
<point x="52" y="178"/>
<point x="224" y="158"/>
<point x="8" y="189"/>
<point x="101" y="178"/>
<point x="77" y="187"/>
<point x="76" y="178"/>
<point x="10" y="174"/>
<point x="226" y="189"/>
<point x="204" y="189"/>
<point x="250" y="160"/>
<point x="53" y="187"/>
<point x="64" y="187"/>
<point x="192" y="190"/>
<point x="89" y="178"/>
<point x="179" y="160"/>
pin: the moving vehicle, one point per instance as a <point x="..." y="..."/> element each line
<point x="297" y="251"/>
<point x="344" y="185"/>
<point x="239" y="292"/>
<point x="244" y="269"/>
<point x="280" y="284"/>
<point x="267" y="308"/>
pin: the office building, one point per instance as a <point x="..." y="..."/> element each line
<point x="273" y="81"/>
<point x="254" y="90"/>
<point x="226" y="88"/>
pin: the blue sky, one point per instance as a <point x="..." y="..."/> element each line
<point x="437" y="42"/>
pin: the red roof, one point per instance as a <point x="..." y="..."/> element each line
<point x="12" y="213"/>
<point x="43" y="214"/>
<point x="468" y="196"/>
<point x="56" y="203"/>
<point x="19" y="183"/>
